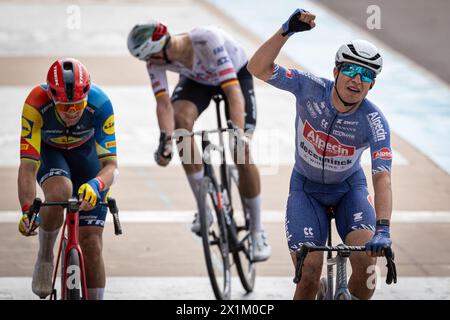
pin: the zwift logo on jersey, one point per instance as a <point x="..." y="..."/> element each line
<point x="378" y="131"/>
<point x="319" y="140"/>
<point x="384" y="154"/>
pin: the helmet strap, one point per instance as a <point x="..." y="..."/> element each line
<point x="345" y="103"/>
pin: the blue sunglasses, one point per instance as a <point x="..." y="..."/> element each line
<point x="352" y="70"/>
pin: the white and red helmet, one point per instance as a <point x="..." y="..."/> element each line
<point x="68" y="81"/>
<point x="147" y="38"/>
<point x="360" y="52"/>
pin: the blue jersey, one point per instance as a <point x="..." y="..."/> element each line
<point x="329" y="143"/>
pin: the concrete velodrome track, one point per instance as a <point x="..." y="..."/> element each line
<point x="157" y="257"/>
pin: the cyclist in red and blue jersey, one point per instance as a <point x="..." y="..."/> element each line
<point x="68" y="145"/>
<point x="335" y="123"/>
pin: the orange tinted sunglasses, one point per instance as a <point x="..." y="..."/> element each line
<point x="67" y="106"/>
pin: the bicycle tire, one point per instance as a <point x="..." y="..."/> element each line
<point x="73" y="281"/>
<point x="323" y="287"/>
<point x="243" y="256"/>
<point x="63" y="250"/>
<point x="343" y="296"/>
<point x="215" y="241"/>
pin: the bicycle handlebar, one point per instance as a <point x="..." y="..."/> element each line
<point x="177" y="135"/>
<point x="73" y="205"/>
<point x="303" y="252"/>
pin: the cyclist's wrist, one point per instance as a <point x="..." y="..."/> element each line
<point x="26" y="207"/>
<point x="382" y="229"/>
<point x="101" y="183"/>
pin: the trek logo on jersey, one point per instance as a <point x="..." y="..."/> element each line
<point x="108" y="126"/>
<point x="378" y="131"/>
<point x="319" y="140"/>
<point x="27" y="127"/>
<point x="384" y="154"/>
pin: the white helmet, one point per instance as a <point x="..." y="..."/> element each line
<point x="147" y="38"/>
<point x="360" y="52"/>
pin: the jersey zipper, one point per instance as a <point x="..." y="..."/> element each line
<point x="325" y="150"/>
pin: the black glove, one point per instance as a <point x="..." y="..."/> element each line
<point x="293" y="25"/>
<point x="164" y="151"/>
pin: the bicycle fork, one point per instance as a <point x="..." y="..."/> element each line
<point x="341" y="276"/>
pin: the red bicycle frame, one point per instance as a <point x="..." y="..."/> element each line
<point x="71" y="240"/>
<point x="71" y="224"/>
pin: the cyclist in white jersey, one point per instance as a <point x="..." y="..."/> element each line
<point x="209" y="62"/>
<point x="334" y="123"/>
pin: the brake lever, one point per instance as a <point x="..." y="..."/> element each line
<point x="390" y="264"/>
<point x="299" y="263"/>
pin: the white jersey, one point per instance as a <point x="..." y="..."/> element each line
<point x="217" y="59"/>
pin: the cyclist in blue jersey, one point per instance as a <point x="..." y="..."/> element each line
<point x="68" y="145"/>
<point x="334" y="124"/>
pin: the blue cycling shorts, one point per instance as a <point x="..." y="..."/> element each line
<point x="306" y="213"/>
<point x="80" y="165"/>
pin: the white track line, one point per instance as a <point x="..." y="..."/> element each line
<point x="268" y="216"/>
<point x="196" y="288"/>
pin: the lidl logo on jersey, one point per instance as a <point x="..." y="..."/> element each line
<point x="319" y="140"/>
<point x="384" y="154"/>
<point x="27" y="127"/>
<point x="108" y="126"/>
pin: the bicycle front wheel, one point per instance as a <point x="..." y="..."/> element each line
<point x="214" y="238"/>
<point x="243" y="254"/>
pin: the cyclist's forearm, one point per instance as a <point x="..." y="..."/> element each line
<point x="236" y="103"/>
<point x="165" y="114"/>
<point x="27" y="182"/>
<point x="383" y="195"/>
<point x="262" y="62"/>
<point x="108" y="172"/>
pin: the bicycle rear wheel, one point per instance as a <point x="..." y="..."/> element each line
<point x="243" y="255"/>
<point x="73" y="271"/>
<point x="214" y="239"/>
